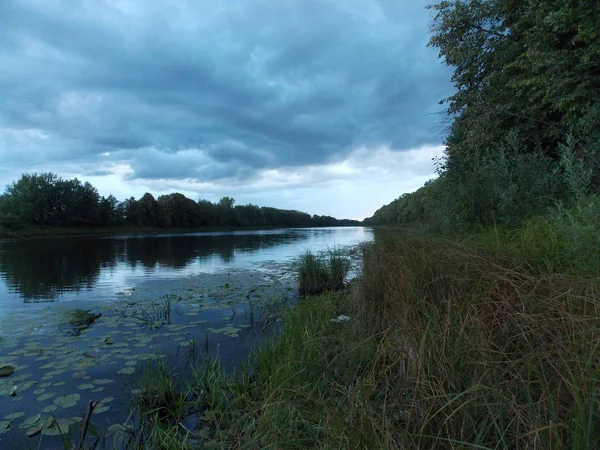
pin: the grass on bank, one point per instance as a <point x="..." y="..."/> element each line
<point x="495" y="355"/>
<point x="564" y="240"/>
<point x="447" y="347"/>
<point x="321" y="273"/>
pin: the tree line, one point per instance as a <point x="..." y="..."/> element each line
<point x="46" y="200"/>
<point x="523" y="130"/>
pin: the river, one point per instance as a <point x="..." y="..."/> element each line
<point x="159" y="296"/>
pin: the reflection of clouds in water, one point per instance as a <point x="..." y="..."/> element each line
<point x="99" y="268"/>
<point x="110" y="356"/>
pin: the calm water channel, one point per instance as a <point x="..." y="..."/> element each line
<point x="160" y="297"/>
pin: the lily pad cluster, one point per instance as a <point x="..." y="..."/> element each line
<point x="57" y="374"/>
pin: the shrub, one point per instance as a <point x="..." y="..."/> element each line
<point x="320" y="273"/>
<point x="313" y="274"/>
<point x="10" y="221"/>
<point x="565" y="238"/>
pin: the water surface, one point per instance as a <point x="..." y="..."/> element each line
<point x="162" y="297"/>
<point x="95" y="268"/>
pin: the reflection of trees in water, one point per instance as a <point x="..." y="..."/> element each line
<point x="40" y="270"/>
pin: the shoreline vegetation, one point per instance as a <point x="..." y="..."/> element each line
<point x="47" y="205"/>
<point x="482" y="329"/>
<point x="437" y="344"/>
<point x="479" y="331"/>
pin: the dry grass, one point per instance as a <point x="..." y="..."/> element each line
<point x="490" y="355"/>
<point x="446" y="348"/>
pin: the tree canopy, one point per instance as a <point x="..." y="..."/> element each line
<point x="524" y="120"/>
<point x="45" y="200"/>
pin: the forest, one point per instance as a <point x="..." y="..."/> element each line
<point x="46" y="200"/>
<point x="523" y="126"/>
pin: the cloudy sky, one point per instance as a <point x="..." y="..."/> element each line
<point x="327" y="106"/>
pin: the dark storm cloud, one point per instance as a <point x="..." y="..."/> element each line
<point x="216" y="89"/>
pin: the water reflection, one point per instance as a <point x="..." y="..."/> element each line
<point x="41" y="270"/>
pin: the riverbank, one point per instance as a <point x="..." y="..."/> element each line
<point x="28" y="233"/>
<point x="437" y="345"/>
<point x="54" y="359"/>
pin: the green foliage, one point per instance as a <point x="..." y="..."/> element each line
<point x="565" y="239"/>
<point x="10" y="221"/>
<point x="527" y="67"/>
<point x="423" y="208"/>
<point x="313" y="387"/>
<point x="499" y="189"/>
<point x="525" y="130"/>
<point x="320" y="273"/>
<point x="46" y="200"/>
<point x="504" y="189"/>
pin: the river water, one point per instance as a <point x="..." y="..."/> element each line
<point x="159" y="297"/>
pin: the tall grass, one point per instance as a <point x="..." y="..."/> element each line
<point x="320" y="273"/>
<point x="310" y="388"/>
<point x="489" y="354"/>
<point x="564" y="239"/>
<point x="449" y="346"/>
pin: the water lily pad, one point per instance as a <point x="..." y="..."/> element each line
<point x="30" y="421"/>
<point x="26" y="385"/>
<point x="34" y="431"/>
<point x="85" y="386"/>
<point x="131" y="363"/>
<point x="106" y="400"/>
<point x="126" y="371"/>
<point x="56" y="372"/>
<point x="5" y="426"/>
<point x="21" y="377"/>
<point x="50" y="365"/>
<point x="59" y="383"/>
<point x="46" y="396"/>
<point x="49" y="409"/>
<point x="6" y="371"/>
<point x="39" y="391"/>
<point x="13" y="416"/>
<point x="100" y="409"/>
<point x="121" y="351"/>
<point x="67" y="401"/>
<point x="119" y="427"/>
<point x="58" y="427"/>
<point x="7" y="389"/>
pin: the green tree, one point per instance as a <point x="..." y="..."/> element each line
<point x="529" y="67"/>
<point x="108" y="208"/>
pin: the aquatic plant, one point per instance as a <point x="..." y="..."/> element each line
<point x="447" y="348"/>
<point x="78" y="320"/>
<point x="320" y="273"/>
<point x="153" y="315"/>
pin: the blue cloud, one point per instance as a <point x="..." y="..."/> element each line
<point x="215" y="89"/>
